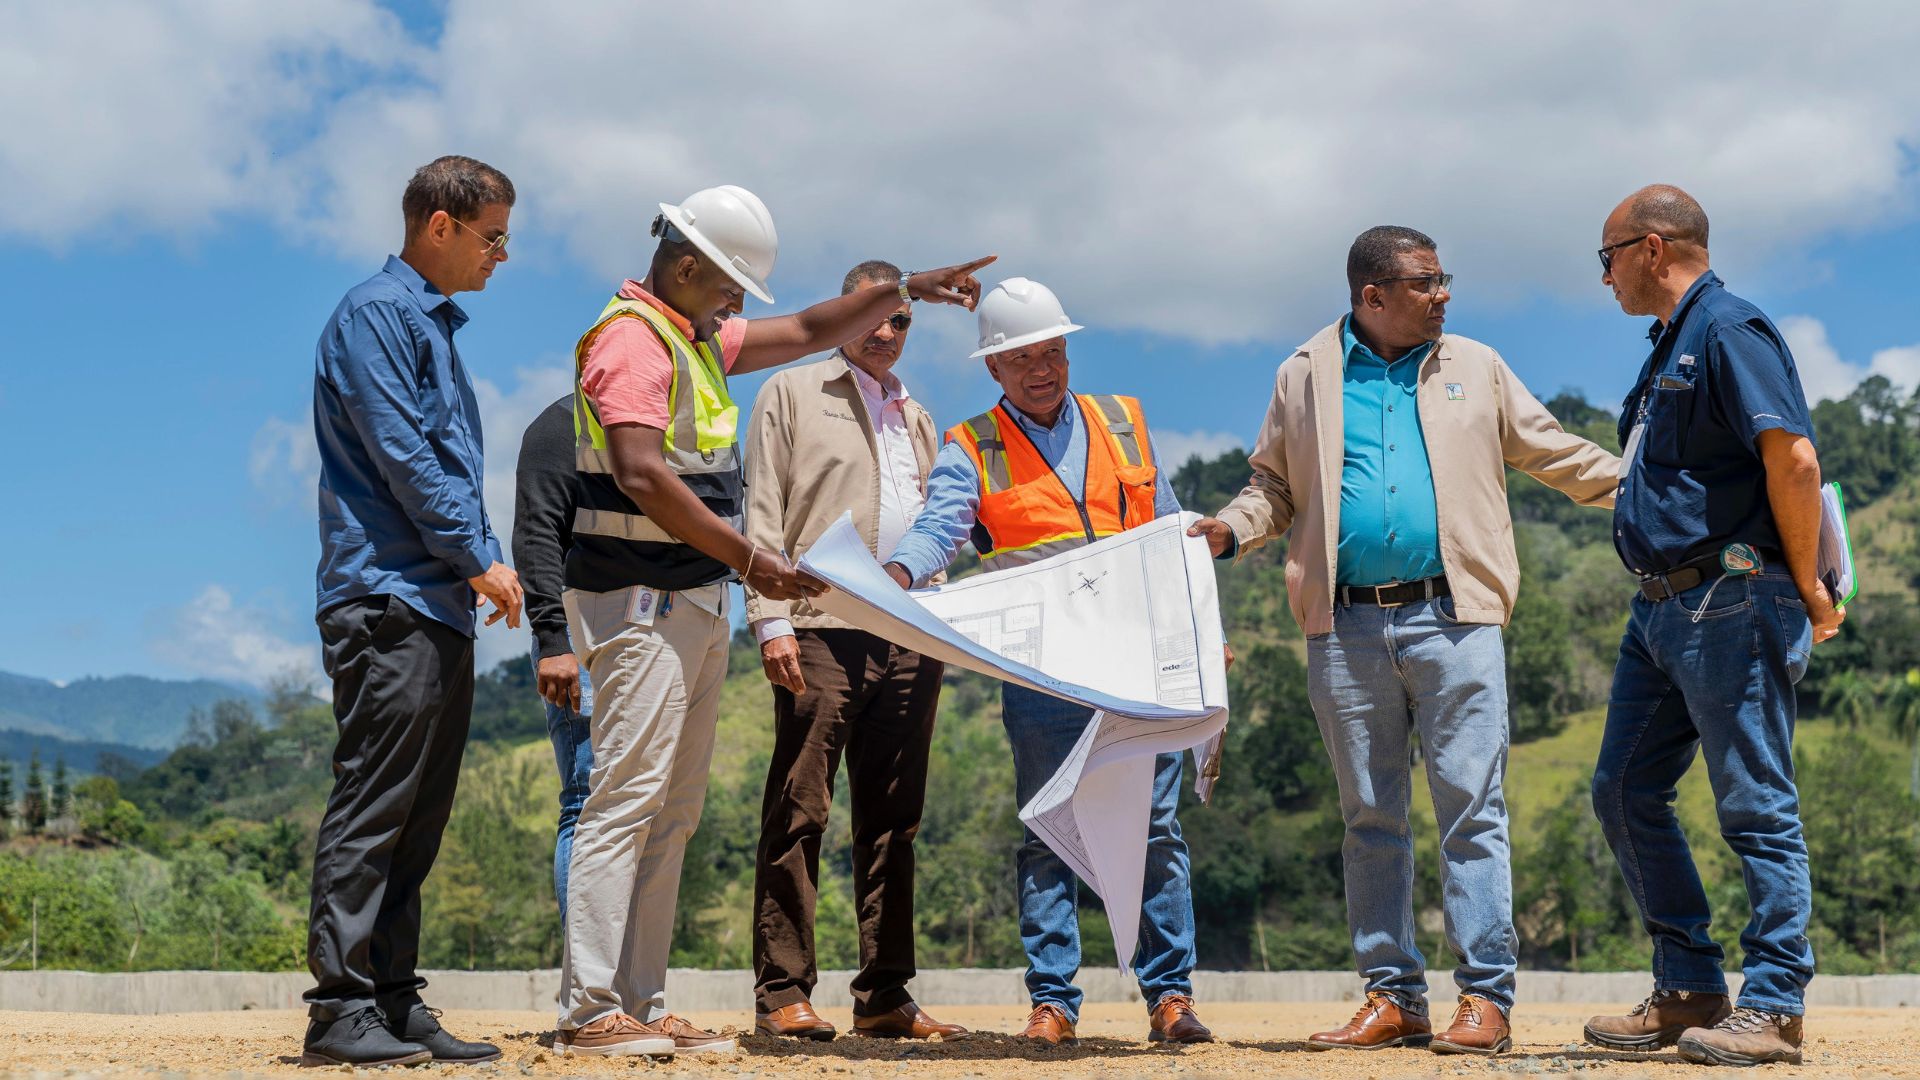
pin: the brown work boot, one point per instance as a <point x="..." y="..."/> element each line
<point x="1659" y="1021"/>
<point x="688" y="1039"/>
<point x="795" y="1021"/>
<point x="1173" y="1020"/>
<point x="1048" y="1023"/>
<point x="1381" y="1022"/>
<point x="908" y="1021"/>
<point x="613" y="1035"/>
<point x="1479" y="1027"/>
<point x="1748" y="1037"/>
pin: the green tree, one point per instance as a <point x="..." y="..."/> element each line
<point x="105" y="817"/>
<point x="33" y="809"/>
<point x="6" y="798"/>
<point x="1862" y="830"/>
<point x="60" y="805"/>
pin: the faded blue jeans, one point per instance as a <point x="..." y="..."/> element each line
<point x="572" y="736"/>
<point x="1042" y="730"/>
<point x="1382" y="675"/>
<point x="1722" y="685"/>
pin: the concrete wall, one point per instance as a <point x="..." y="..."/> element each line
<point x="712" y="991"/>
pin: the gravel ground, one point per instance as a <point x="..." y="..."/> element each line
<point x="1261" y="1040"/>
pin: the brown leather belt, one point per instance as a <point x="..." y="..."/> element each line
<point x="1671" y="583"/>
<point x="1396" y="593"/>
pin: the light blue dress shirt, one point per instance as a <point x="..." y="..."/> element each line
<point x="953" y="490"/>
<point x="1389" y="529"/>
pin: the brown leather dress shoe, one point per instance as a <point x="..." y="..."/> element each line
<point x="908" y="1021"/>
<point x="795" y="1021"/>
<point x="1479" y="1027"/>
<point x="1173" y="1020"/>
<point x="1659" y="1021"/>
<point x="1380" y="1023"/>
<point x="1049" y="1024"/>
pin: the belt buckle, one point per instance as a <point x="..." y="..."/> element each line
<point x="1389" y="585"/>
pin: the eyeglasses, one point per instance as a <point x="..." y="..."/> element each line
<point x="900" y="321"/>
<point x="494" y="246"/>
<point x="1430" y="283"/>
<point x="1606" y="253"/>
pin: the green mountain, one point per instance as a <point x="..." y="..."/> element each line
<point x="131" y="710"/>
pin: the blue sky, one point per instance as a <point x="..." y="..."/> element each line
<point x="171" y="248"/>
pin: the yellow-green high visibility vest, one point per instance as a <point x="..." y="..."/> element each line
<point x="615" y="544"/>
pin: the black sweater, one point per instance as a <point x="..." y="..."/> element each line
<point x="544" y="497"/>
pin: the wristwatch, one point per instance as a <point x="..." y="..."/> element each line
<point x="905" y="296"/>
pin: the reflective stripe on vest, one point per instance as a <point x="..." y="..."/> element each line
<point x="1044" y="519"/>
<point x="616" y="544"/>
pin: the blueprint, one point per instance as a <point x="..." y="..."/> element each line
<point x="1128" y="626"/>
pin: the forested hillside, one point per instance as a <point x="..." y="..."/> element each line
<point x="201" y="860"/>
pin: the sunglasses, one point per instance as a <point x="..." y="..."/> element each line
<point x="1430" y="283"/>
<point x="1606" y="253"/>
<point x="494" y="246"/>
<point x="900" y="321"/>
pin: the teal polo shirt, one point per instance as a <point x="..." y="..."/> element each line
<point x="1389" y="530"/>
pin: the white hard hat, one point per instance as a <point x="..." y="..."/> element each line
<point x="731" y="226"/>
<point x="1020" y="312"/>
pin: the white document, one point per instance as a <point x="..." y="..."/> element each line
<point x="1836" y="545"/>
<point x="1128" y="626"/>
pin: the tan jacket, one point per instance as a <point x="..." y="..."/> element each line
<point x="1476" y="417"/>
<point x="812" y="456"/>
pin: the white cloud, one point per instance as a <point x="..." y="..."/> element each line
<point x="284" y="461"/>
<point x="1825" y="376"/>
<point x="1194" y="171"/>
<point x="1172" y="448"/>
<point x="216" y="638"/>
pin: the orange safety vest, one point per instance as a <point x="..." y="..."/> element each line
<point x="1027" y="513"/>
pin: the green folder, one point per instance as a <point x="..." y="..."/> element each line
<point x="1836" y="547"/>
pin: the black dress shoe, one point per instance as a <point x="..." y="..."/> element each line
<point x="422" y="1026"/>
<point x="359" y="1038"/>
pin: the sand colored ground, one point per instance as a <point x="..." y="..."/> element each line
<point x="1256" y="1040"/>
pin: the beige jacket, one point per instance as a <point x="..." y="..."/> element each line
<point x="1476" y="417"/>
<point x="812" y="456"/>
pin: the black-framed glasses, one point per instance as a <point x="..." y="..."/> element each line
<point x="1430" y="283"/>
<point x="1606" y="253"/>
<point x="494" y="246"/>
<point x="900" y="320"/>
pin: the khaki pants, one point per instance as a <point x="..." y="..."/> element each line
<point x="656" y="699"/>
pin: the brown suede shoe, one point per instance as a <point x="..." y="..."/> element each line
<point x="1479" y="1027"/>
<point x="1659" y="1021"/>
<point x="1381" y="1022"/>
<point x="908" y="1021"/>
<point x="1173" y="1020"/>
<point x="1748" y="1037"/>
<point x="1048" y="1023"/>
<point x="795" y="1021"/>
<point x="613" y="1035"/>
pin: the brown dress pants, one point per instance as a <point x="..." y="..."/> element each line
<point x="875" y="702"/>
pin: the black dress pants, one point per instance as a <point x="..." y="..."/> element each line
<point x="403" y="697"/>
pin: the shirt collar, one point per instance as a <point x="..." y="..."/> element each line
<point x="631" y="290"/>
<point x="424" y="292"/>
<point x="1350" y="344"/>
<point x="894" y="389"/>
<point x="1707" y="280"/>
<point x="1064" y="422"/>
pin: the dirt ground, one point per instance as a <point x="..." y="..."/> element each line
<point x="1264" y="1040"/>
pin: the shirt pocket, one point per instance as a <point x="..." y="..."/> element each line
<point x="1672" y="407"/>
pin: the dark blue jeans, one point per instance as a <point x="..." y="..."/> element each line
<point x="1043" y="729"/>
<point x="572" y="736"/>
<point x="1719" y="684"/>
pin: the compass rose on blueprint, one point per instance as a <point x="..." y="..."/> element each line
<point x="1090" y="585"/>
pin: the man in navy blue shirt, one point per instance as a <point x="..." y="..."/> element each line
<point x="1718" y="515"/>
<point x="406" y="555"/>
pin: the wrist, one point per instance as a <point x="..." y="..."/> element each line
<point x="906" y="292"/>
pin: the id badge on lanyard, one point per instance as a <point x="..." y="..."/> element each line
<point x="1630" y="456"/>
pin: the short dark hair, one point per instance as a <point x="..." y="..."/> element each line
<point x="459" y="185"/>
<point x="1375" y="255"/>
<point x="1668" y="211"/>
<point x="873" y="271"/>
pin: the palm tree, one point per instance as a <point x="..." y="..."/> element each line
<point x="1850" y="696"/>
<point x="1901" y="695"/>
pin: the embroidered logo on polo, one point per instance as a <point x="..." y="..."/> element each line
<point x="1456" y="392"/>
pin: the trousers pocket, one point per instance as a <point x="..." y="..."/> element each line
<point x="1796" y="633"/>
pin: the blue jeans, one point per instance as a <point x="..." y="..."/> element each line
<point x="1042" y="730"/>
<point x="572" y="736"/>
<point x="1722" y="684"/>
<point x="1381" y="675"/>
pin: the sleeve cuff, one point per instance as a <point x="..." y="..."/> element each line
<point x="765" y="630"/>
<point x="474" y="561"/>
<point x="551" y="643"/>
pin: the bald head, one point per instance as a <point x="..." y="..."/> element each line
<point x="1666" y="211"/>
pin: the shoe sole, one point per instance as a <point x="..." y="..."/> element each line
<point x="630" y="1048"/>
<point x="1442" y="1046"/>
<point x="1644" y="1044"/>
<point x="1701" y="1054"/>
<point x="720" y="1047"/>
<point x="1418" y="1042"/>
<point x="813" y="1034"/>
<point x="495" y="1056"/>
<point x="311" y="1060"/>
